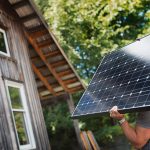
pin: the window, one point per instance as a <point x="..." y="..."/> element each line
<point x="3" y="43"/>
<point x="21" y="118"/>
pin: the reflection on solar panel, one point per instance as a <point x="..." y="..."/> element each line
<point x="122" y="79"/>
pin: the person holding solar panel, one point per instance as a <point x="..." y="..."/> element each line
<point x="139" y="136"/>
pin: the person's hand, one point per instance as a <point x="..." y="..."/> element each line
<point x="115" y="114"/>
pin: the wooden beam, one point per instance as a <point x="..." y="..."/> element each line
<point x="71" y="107"/>
<point x="92" y="140"/>
<point x="54" y="85"/>
<point x="52" y="53"/>
<point x="51" y="69"/>
<point x="29" y="17"/>
<point x="20" y="4"/>
<point x="45" y="82"/>
<point x="59" y="63"/>
<point x="50" y="98"/>
<point x="48" y="77"/>
<point x="45" y="43"/>
<point x="39" y="33"/>
<point x="36" y="28"/>
<point x="85" y="141"/>
<point x="57" y="94"/>
<point x="72" y="80"/>
<point x="44" y="98"/>
<point x="64" y="73"/>
<point x="6" y="5"/>
<point x="75" y="89"/>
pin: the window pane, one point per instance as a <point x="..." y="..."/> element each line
<point x="21" y="128"/>
<point x="15" y="97"/>
<point x="2" y="43"/>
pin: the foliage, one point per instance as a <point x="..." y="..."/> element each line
<point x="103" y="128"/>
<point x="59" y="127"/>
<point x="89" y="29"/>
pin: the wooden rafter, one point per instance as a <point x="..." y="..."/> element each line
<point x="50" y="77"/>
<point x="29" y="17"/>
<point x="45" y="43"/>
<point x="53" y="53"/>
<point x="47" y="77"/>
<point x="38" y="33"/>
<point x="50" y="96"/>
<point x="42" y="88"/>
<point x="72" y="80"/>
<point x="44" y="80"/>
<point x="20" y="4"/>
<point x="75" y="89"/>
<point x="59" y="63"/>
<point x="40" y="53"/>
<point x="64" y="73"/>
<point x="36" y="28"/>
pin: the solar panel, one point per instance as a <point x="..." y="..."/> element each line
<point x="122" y="79"/>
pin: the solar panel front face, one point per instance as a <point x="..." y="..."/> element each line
<point x="122" y="79"/>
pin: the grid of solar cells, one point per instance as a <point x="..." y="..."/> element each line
<point x="122" y="79"/>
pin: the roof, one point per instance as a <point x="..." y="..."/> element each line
<point x="54" y="73"/>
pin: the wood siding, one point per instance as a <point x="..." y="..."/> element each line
<point x="17" y="67"/>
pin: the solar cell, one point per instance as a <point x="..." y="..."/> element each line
<point x="122" y="79"/>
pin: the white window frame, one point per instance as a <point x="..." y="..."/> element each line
<point x="6" y="43"/>
<point x="25" y="111"/>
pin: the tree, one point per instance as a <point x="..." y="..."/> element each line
<point x="59" y="127"/>
<point x="89" y="29"/>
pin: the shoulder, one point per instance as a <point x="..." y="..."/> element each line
<point x="143" y="119"/>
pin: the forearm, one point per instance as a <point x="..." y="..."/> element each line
<point x="130" y="133"/>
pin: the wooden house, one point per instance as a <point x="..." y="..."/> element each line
<point x="33" y="70"/>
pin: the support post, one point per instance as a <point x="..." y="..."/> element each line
<point x="75" y="122"/>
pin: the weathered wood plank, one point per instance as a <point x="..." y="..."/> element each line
<point x="75" y="89"/>
<point x="9" y="68"/>
<point x="70" y="103"/>
<point x="72" y="80"/>
<point x="59" y="63"/>
<point x="29" y="17"/>
<point x="45" y="43"/>
<point x="53" y="53"/>
<point x="93" y="140"/>
<point x="20" y="4"/>
<point x="38" y="33"/>
<point x="64" y="73"/>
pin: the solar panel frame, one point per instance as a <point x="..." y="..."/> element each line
<point x="129" y="74"/>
